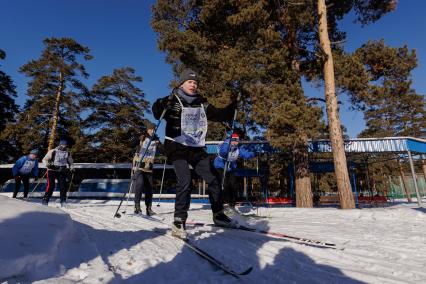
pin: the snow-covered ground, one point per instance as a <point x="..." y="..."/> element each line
<point x="84" y="244"/>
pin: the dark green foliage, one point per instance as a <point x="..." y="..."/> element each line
<point x="393" y="108"/>
<point x="237" y="46"/>
<point x="60" y="56"/>
<point x="378" y="79"/>
<point x="262" y="49"/>
<point x="8" y="109"/>
<point x="117" y="117"/>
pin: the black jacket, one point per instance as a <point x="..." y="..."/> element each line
<point x="174" y="150"/>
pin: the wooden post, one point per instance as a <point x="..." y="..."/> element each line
<point x="404" y="184"/>
<point x="424" y="166"/>
<point x="413" y="173"/>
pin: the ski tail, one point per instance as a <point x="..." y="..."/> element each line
<point x="217" y="263"/>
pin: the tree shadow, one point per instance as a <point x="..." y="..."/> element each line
<point x="240" y="250"/>
<point x="235" y="248"/>
<point x="420" y="209"/>
<point x="76" y="248"/>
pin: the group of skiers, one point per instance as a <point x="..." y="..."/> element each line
<point x="58" y="162"/>
<point x="186" y="114"/>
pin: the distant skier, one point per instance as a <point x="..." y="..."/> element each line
<point x="186" y="116"/>
<point x="223" y="157"/>
<point x="23" y="169"/>
<point x="58" y="162"/>
<point x="143" y="176"/>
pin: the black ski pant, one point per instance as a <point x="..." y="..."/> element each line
<point x="230" y="187"/>
<point x="61" y="177"/>
<point x="26" y="181"/>
<point x="143" y="183"/>
<point x="183" y="189"/>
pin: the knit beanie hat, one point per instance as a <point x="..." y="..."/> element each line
<point x="235" y="137"/>
<point x="150" y="126"/>
<point x="186" y="75"/>
<point x="34" y="151"/>
<point x="63" y="142"/>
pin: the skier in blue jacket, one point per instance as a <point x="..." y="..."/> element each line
<point x="25" y="167"/>
<point x="223" y="156"/>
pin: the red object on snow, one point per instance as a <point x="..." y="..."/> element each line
<point x="370" y="199"/>
<point x="279" y="200"/>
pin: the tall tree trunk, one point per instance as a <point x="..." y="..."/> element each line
<point x="340" y="165"/>
<point x="302" y="174"/>
<point x="56" y="113"/>
<point x="424" y="166"/>
<point x="404" y="183"/>
<point x="300" y="151"/>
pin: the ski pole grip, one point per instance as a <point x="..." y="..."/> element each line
<point x="239" y="97"/>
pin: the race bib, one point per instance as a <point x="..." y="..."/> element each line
<point x="61" y="158"/>
<point x="193" y="126"/>
<point x="27" y="167"/>
<point x="150" y="153"/>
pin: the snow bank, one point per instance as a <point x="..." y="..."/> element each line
<point x="30" y="235"/>
<point x="42" y="245"/>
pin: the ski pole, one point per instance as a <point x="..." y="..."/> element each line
<point x="128" y="195"/>
<point x="225" y="168"/>
<point x="162" y="181"/>
<point x="118" y="215"/>
<point x="69" y="187"/>
<point x="38" y="182"/>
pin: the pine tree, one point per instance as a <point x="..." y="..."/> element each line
<point x="262" y="49"/>
<point x="8" y="110"/>
<point x="325" y="21"/>
<point x="55" y="93"/>
<point x="238" y="47"/>
<point x="392" y="107"/>
<point x="117" y="117"/>
<point x="378" y="80"/>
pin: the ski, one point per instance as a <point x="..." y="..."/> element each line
<point x="295" y="239"/>
<point x="215" y="262"/>
<point x="202" y="253"/>
<point x="151" y="218"/>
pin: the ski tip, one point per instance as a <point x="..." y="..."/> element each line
<point x="246" y="271"/>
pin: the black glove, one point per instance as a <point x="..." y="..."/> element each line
<point x="169" y="100"/>
<point x="155" y="139"/>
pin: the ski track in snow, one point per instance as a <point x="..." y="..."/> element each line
<point x="381" y="245"/>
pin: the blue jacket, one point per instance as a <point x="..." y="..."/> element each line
<point x="18" y="167"/>
<point x="219" y="161"/>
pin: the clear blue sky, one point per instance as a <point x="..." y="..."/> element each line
<point x="118" y="33"/>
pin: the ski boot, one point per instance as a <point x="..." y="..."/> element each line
<point x="63" y="204"/>
<point x="179" y="229"/>
<point x="231" y="210"/>
<point x="149" y="211"/>
<point x="138" y="209"/>
<point x="221" y="220"/>
<point x="45" y="202"/>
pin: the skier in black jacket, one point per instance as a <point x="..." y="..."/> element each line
<point x="186" y="117"/>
